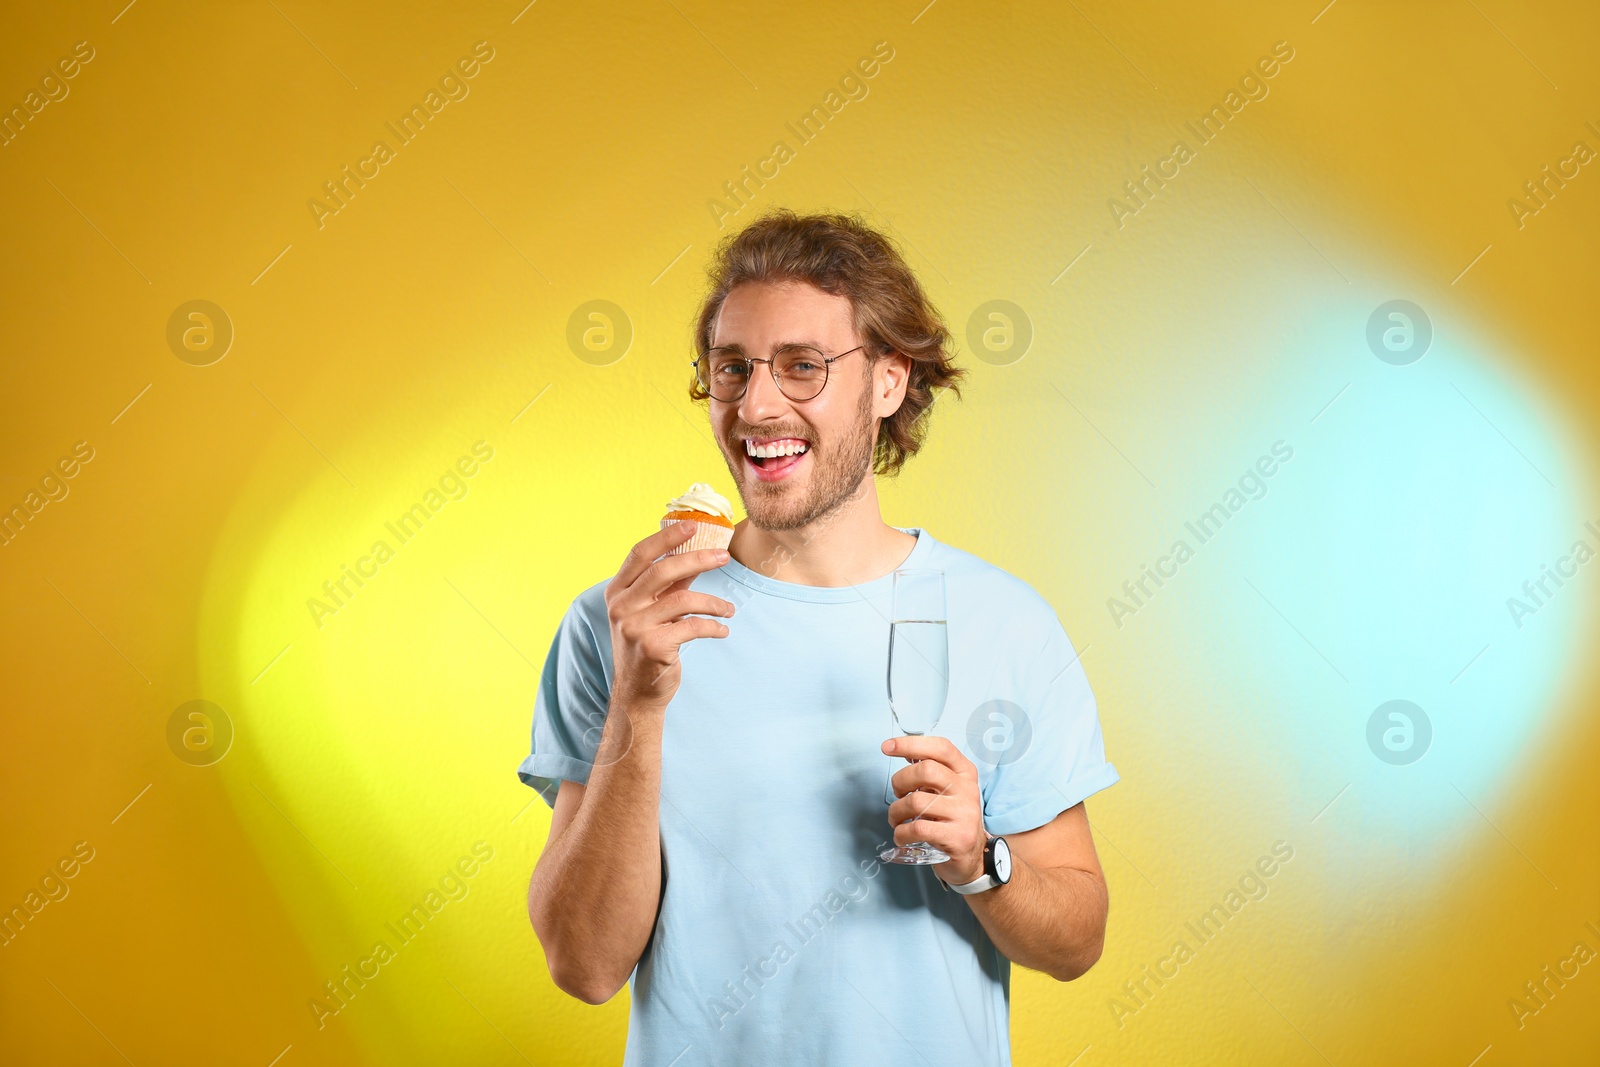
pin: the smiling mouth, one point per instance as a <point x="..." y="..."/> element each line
<point x="773" y="458"/>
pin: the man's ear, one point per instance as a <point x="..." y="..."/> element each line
<point x="890" y="375"/>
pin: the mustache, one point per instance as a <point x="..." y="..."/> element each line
<point x="739" y="435"/>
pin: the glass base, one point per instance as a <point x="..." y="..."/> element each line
<point x="916" y="852"/>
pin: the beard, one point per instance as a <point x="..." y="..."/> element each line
<point x="838" y="470"/>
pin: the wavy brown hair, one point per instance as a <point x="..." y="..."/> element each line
<point x="842" y="255"/>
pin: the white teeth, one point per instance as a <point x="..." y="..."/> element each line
<point x="788" y="448"/>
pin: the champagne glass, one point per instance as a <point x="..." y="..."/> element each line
<point x="919" y="673"/>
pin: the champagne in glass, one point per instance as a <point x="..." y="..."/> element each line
<point x="918" y="675"/>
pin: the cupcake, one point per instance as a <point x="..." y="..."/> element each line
<point x="707" y="508"/>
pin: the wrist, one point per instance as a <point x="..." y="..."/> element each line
<point x="962" y="869"/>
<point x="637" y="708"/>
<point x="996" y="870"/>
<point x="629" y="733"/>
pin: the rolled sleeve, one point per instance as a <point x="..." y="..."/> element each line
<point x="570" y="709"/>
<point x="1064" y="761"/>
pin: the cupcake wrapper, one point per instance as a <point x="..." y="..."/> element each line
<point x="709" y="535"/>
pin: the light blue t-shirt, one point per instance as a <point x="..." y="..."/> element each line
<point x="781" y="938"/>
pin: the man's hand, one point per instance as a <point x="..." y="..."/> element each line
<point x="939" y="803"/>
<point x="1051" y="916"/>
<point x="653" y="613"/>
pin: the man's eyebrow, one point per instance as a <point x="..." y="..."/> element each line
<point x="739" y="348"/>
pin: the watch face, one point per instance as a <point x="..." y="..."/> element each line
<point x="1002" y="859"/>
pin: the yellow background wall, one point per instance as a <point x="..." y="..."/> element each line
<point x="1170" y="344"/>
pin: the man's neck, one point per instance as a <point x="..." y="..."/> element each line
<point x="851" y="546"/>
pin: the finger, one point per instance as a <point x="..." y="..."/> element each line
<point x="673" y="606"/>
<point x="661" y="575"/>
<point x="924" y="746"/>
<point x="652" y="548"/>
<point x="671" y="570"/>
<point x="941" y="835"/>
<point x="927" y="765"/>
<point x="930" y="806"/>
<point x="929" y="747"/>
<point x="690" y="627"/>
<point x="930" y="775"/>
<point x="688" y="579"/>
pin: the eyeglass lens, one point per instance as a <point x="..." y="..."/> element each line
<point x="800" y="372"/>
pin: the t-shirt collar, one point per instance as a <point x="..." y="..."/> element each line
<point x="831" y="594"/>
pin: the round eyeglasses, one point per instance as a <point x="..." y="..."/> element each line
<point x="799" y="371"/>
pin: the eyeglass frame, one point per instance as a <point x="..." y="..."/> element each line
<point x="827" y="372"/>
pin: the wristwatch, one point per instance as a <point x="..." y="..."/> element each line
<point x="996" y="868"/>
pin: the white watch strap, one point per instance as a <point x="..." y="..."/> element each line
<point x="977" y="885"/>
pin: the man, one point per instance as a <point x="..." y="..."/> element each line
<point x="719" y="805"/>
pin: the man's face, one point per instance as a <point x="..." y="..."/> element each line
<point x="838" y="427"/>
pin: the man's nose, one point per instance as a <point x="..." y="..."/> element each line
<point x="762" y="397"/>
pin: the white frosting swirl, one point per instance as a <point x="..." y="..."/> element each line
<point x="701" y="497"/>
